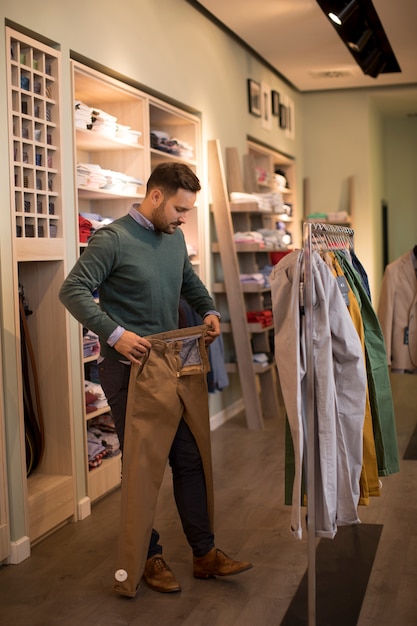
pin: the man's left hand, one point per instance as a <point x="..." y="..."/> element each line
<point x="214" y="331"/>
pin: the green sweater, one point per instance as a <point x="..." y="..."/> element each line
<point x="140" y="275"/>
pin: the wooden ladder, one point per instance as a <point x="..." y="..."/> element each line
<point x="259" y="389"/>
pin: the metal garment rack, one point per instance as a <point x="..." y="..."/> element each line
<point x="316" y="237"/>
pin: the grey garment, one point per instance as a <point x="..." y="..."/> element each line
<point x="339" y="386"/>
<point x="397" y="313"/>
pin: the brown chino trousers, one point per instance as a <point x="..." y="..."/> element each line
<point x="170" y="384"/>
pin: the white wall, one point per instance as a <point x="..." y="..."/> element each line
<point x="350" y="133"/>
<point x="400" y="168"/>
<point x="337" y="145"/>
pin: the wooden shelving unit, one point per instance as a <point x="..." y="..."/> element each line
<point x="260" y="166"/>
<point x="48" y="497"/>
<point x="185" y="128"/>
<point x="100" y="146"/>
<point x="150" y="118"/>
<point x="33" y="77"/>
<point x="4" y="517"/>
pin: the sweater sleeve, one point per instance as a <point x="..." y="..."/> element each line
<point x="91" y="269"/>
<point x="195" y="292"/>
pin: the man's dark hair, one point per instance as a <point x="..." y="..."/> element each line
<point x="169" y="177"/>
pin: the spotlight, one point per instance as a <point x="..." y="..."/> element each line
<point x="359" y="27"/>
<point x="342" y="16"/>
<point x="360" y="44"/>
<point x="374" y="63"/>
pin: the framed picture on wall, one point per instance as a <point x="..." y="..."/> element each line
<point x="290" y="119"/>
<point x="275" y="102"/>
<point x="282" y="116"/>
<point x="266" y="106"/>
<point x="254" y="97"/>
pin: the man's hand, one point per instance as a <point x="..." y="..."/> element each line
<point x="214" y="331"/>
<point x="132" y="346"/>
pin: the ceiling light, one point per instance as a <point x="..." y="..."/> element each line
<point x="335" y="19"/>
<point x="359" y="45"/>
<point x="342" y="16"/>
<point x="374" y="63"/>
<point x="359" y="27"/>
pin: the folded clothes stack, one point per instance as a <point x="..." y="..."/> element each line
<point x="264" y="318"/>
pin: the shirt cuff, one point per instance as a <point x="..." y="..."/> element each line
<point x="216" y="313"/>
<point x="115" y="336"/>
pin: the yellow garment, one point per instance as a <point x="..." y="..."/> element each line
<point x="369" y="482"/>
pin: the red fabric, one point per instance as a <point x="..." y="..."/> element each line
<point x="260" y="317"/>
<point x="84" y="229"/>
<point x="277" y="256"/>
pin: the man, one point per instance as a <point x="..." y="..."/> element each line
<point x="140" y="266"/>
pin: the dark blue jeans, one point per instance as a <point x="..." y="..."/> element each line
<point x="184" y="459"/>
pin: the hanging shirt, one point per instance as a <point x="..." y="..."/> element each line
<point x="369" y="482"/>
<point x="339" y="385"/>
<point x="397" y="313"/>
<point x="379" y="385"/>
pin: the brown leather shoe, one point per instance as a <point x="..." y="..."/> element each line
<point x="217" y="563"/>
<point x="158" y="575"/>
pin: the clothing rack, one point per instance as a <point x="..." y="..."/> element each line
<point x="316" y="237"/>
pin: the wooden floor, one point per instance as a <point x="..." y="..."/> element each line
<point x="68" y="578"/>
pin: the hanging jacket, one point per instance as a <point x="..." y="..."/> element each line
<point x="397" y="313"/>
<point x="379" y="385"/>
<point x="339" y="385"/>
<point x="369" y="482"/>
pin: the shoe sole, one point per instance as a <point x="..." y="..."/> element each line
<point x="161" y="590"/>
<point x="205" y="575"/>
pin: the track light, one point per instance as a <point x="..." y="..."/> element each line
<point x="374" y="63"/>
<point x="359" y="27"/>
<point x="360" y="44"/>
<point x="342" y="16"/>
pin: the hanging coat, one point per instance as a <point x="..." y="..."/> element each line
<point x="369" y="483"/>
<point x="379" y="385"/>
<point x="339" y="389"/>
<point x="397" y="312"/>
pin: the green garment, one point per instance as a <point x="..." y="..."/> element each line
<point x="140" y="275"/>
<point x="379" y="385"/>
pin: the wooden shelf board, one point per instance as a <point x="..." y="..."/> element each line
<point x="105" y="477"/>
<point x="95" y="142"/>
<point x="226" y="327"/>
<point x="258" y="328"/>
<point x="101" y="194"/>
<point x="232" y="368"/>
<point x="246" y="288"/>
<point x="246" y="247"/>
<point x="50" y="502"/>
<point x="323" y="221"/>
<point x="246" y="207"/>
<point x="39" y="248"/>
<point x="101" y="411"/>
<point x="174" y="157"/>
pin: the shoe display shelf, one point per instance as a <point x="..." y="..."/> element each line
<point x="38" y="264"/>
